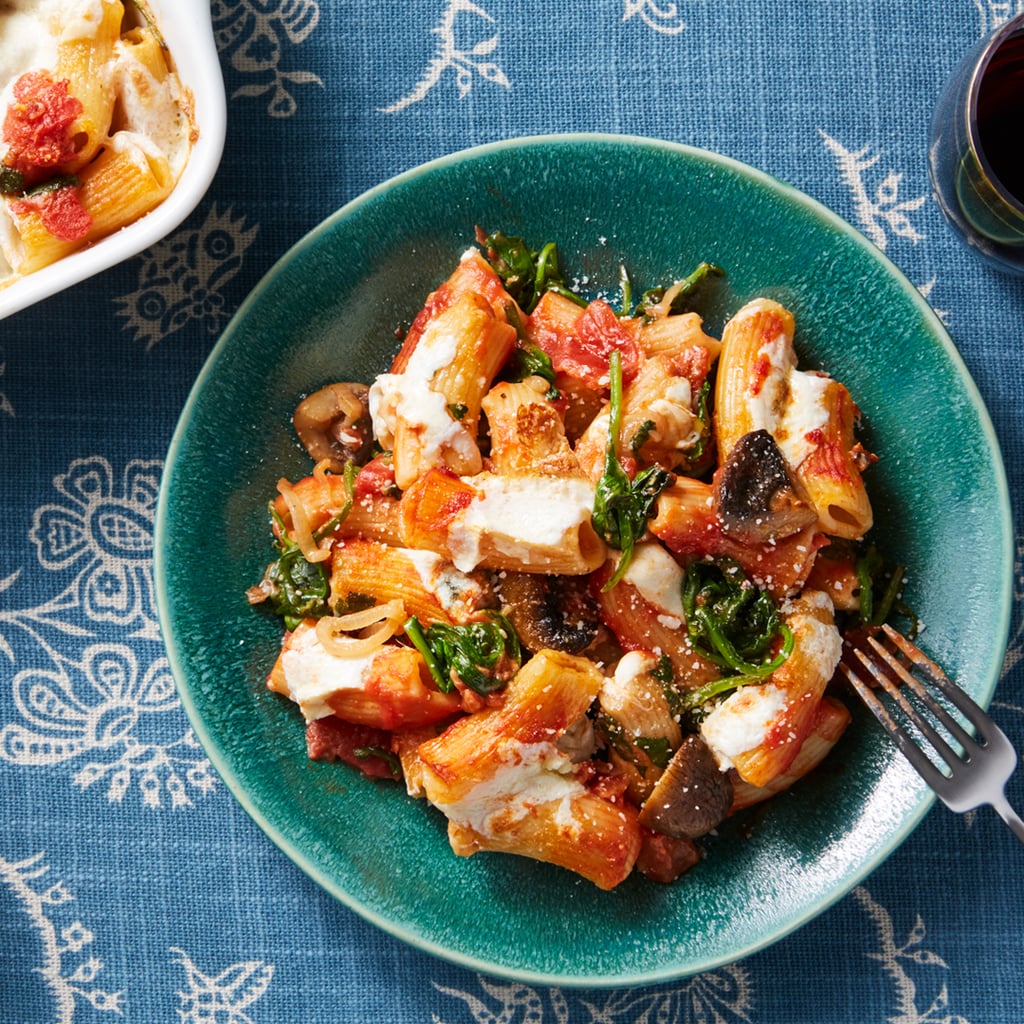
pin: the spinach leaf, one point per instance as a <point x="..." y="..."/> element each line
<point x="528" y="359"/>
<point x="656" y="748"/>
<point x="481" y="655"/>
<point x="691" y="291"/>
<point x="12" y="182"/>
<point x="526" y="274"/>
<point x="623" y="506"/>
<point x="881" y="591"/>
<point x="731" y="622"/>
<point x="295" y="589"/>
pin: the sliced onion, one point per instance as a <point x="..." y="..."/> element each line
<point x="300" y="524"/>
<point x="378" y="625"/>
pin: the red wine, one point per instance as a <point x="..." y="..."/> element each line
<point x="1001" y="115"/>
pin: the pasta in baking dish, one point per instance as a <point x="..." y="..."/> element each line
<point x="95" y="128"/>
<point x="577" y="575"/>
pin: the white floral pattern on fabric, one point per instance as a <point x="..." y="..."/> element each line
<point x="67" y="967"/>
<point x="994" y="13"/>
<point x="665" y="19"/>
<point x="715" y="997"/>
<point x="107" y="702"/>
<point x="181" y="279"/>
<point x="900" y="961"/>
<point x="104" y="533"/>
<point x="451" y="57"/>
<point x="884" y="212"/>
<point x="221" y="998"/>
<point x="100" y="708"/>
<point x="252" y="35"/>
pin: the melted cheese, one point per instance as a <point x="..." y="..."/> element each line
<point x="806" y="414"/>
<point x="79" y="19"/>
<point x="530" y="774"/>
<point x="24" y="45"/>
<point x="741" y="722"/>
<point x="408" y="397"/>
<point x="312" y="675"/>
<point x="820" y="642"/>
<point x="518" y="516"/>
<point x="658" y="578"/>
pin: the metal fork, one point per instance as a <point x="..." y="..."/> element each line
<point x="975" y="776"/>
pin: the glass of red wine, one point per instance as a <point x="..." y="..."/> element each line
<point x="976" y="152"/>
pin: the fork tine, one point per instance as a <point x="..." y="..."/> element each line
<point x="979" y="776"/>
<point x="949" y="723"/>
<point x="938" y="743"/>
<point x="910" y="750"/>
<point x="966" y="705"/>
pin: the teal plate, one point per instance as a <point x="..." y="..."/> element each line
<point x="328" y="311"/>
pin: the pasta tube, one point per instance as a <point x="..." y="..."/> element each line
<point x="687" y="525"/>
<point x="322" y="497"/>
<point x="428" y="414"/>
<point x="527" y="433"/>
<point x="473" y="275"/>
<point x="830" y="722"/>
<point x="389" y="688"/>
<point x="759" y="729"/>
<point x="658" y="427"/>
<point x="128" y="179"/>
<point x="810" y="416"/>
<point x="428" y="587"/>
<point x="528" y="523"/>
<point x="86" y="36"/>
<point x="504" y="785"/>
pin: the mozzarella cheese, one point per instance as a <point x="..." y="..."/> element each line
<point x="790" y="403"/>
<point x="741" y="722"/>
<point x="24" y="44"/>
<point x="408" y="397"/>
<point x="658" y="578"/>
<point x="530" y="774"/>
<point x="312" y="675"/>
<point x="805" y="416"/>
<point x="521" y="517"/>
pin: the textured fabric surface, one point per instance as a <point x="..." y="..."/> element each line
<point x="132" y="885"/>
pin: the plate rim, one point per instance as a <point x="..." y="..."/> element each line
<point x="234" y="782"/>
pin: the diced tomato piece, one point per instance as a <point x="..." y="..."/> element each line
<point x="693" y="363"/>
<point x="61" y="212"/>
<point x="37" y="125"/>
<point x="583" y="350"/>
<point x="377" y="477"/>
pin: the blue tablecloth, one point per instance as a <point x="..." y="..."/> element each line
<point x="132" y="885"/>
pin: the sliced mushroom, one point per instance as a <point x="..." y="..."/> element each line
<point x="692" y="796"/>
<point x="579" y="741"/>
<point x="333" y="424"/>
<point x="755" y="497"/>
<point x="554" y="612"/>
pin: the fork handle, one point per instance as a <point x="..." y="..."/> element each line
<point x="1010" y="816"/>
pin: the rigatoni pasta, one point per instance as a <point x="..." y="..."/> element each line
<point x="94" y="132"/>
<point x="558" y="560"/>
